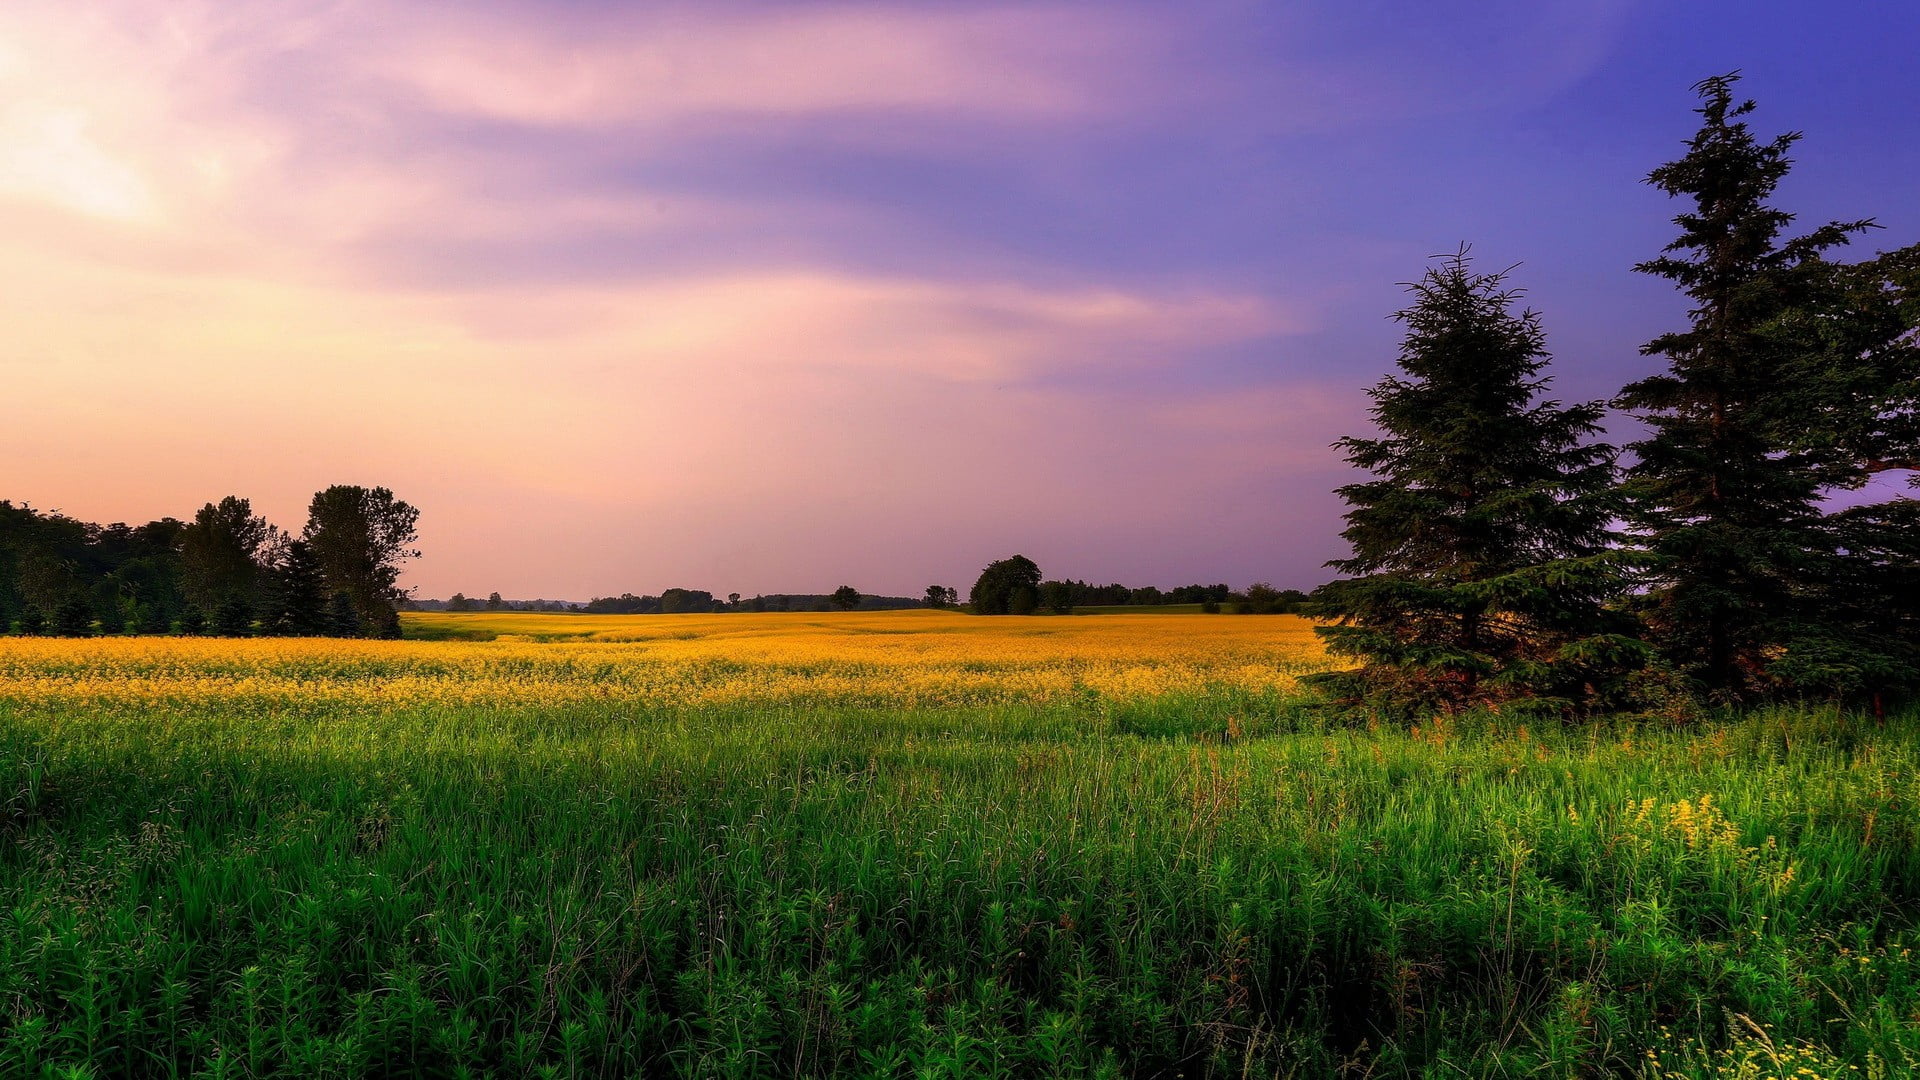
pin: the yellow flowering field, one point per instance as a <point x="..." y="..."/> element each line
<point x="868" y="659"/>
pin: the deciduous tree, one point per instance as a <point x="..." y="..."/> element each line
<point x="362" y="538"/>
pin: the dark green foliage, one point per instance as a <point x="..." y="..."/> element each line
<point x="297" y="604"/>
<point x="221" y="572"/>
<point x="459" y="602"/>
<point x="1008" y="587"/>
<point x="221" y="554"/>
<point x="149" y="574"/>
<point x="1481" y="545"/>
<point x="1057" y="597"/>
<point x="234" y="618"/>
<point x="109" y="606"/>
<point x="846" y="598"/>
<point x="1264" y="599"/>
<point x="343" y="618"/>
<point x="941" y="596"/>
<point x="74" y="617"/>
<point x="362" y="536"/>
<point x="682" y="601"/>
<point x="494" y="603"/>
<point x="1796" y="378"/>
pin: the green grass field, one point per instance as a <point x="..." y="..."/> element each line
<point x="258" y="883"/>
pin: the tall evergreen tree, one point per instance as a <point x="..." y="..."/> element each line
<point x="298" y="604"/>
<point x="1795" y="378"/>
<point x="1484" y="569"/>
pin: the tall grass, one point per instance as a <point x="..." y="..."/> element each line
<point x="1197" y="883"/>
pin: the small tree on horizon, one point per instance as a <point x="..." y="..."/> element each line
<point x="1481" y="552"/>
<point x="846" y="598"/>
<point x="1010" y="586"/>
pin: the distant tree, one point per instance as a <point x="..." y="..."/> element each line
<point x="1480" y="547"/>
<point x="733" y="599"/>
<point x="846" y="598"/>
<point x="109" y="604"/>
<point x="343" y="616"/>
<point x="624" y="604"/>
<point x="1010" y="586"/>
<point x="48" y="583"/>
<point x="1148" y="595"/>
<point x="1263" y="599"/>
<point x="74" y="618"/>
<point x="220" y="559"/>
<point x="1057" y="596"/>
<point x="940" y="596"/>
<point x="362" y="537"/>
<point x="459" y="602"/>
<point x="683" y="601"/>
<point x="494" y="603"/>
<point x="150" y="576"/>
<point x="1199" y="594"/>
<point x="297" y="591"/>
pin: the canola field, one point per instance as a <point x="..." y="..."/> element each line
<point x="918" y="844"/>
<point x="905" y="659"/>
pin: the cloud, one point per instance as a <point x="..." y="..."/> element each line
<point x="637" y="290"/>
<point x="645" y="66"/>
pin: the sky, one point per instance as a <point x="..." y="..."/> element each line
<point x="781" y="296"/>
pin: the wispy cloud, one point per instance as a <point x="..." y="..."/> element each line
<point x="673" y="272"/>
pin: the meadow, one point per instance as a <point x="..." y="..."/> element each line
<point x="917" y="844"/>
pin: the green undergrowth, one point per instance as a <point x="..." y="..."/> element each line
<point x="1188" y="888"/>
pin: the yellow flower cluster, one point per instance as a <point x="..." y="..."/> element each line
<point x="1701" y="827"/>
<point x="862" y="659"/>
<point x="1754" y="1055"/>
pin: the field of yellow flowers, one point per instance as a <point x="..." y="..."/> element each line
<point x="903" y="659"/>
<point x="918" y="844"/>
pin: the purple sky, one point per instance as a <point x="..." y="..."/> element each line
<point x="776" y="297"/>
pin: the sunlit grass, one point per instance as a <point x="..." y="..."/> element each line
<point x="915" y="844"/>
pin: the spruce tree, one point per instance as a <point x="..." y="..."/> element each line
<point x="1794" y="378"/>
<point x="298" y="604"/>
<point x="1484" y="569"/>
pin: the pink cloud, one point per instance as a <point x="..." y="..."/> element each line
<point x="650" y="66"/>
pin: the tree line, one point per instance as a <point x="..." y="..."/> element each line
<point x="493" y="602"/>
<point x="1013" y="586"/>
<point x="681" y="601"/>
<point x="1505" y="556"/>
<point x="228" y="571"/>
